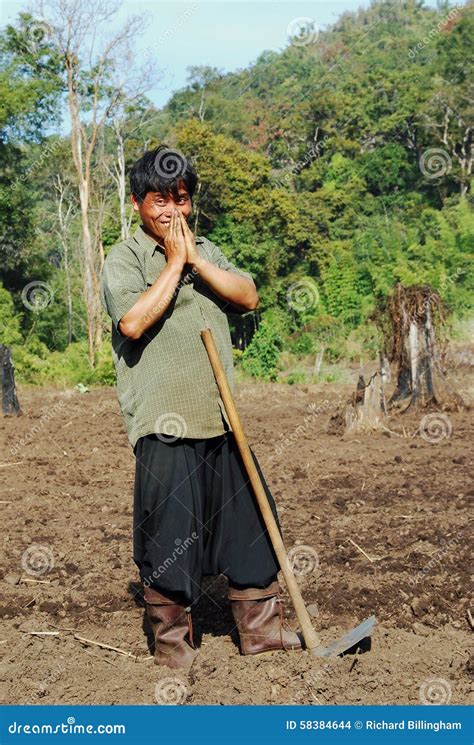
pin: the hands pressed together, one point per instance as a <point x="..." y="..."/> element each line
<point x="180" y="245"/>
<point x="180" y="249"/>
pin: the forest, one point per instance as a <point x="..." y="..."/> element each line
<point x="331" y="170"/>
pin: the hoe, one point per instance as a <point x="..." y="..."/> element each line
<point x="312" y="641"/>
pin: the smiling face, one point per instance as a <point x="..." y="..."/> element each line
<point x="155" y="210"/>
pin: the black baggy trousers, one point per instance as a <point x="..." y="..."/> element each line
<point x="195" y="515"/>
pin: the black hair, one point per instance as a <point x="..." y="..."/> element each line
<point x="162" y="170"/>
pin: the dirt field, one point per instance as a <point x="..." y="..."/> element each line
<point x="67" y="474"/>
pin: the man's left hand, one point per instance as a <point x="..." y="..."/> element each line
<point x="193" y="253"/>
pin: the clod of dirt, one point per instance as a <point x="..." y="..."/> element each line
<point x="420" y="629"/>
<point x="12" y="578"/>
<point x="420" y="606"/>
<point x="470" y="665"/>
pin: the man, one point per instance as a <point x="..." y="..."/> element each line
<point x="194" y="511"/>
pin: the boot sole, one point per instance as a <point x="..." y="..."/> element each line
<point x="268" y="652"/>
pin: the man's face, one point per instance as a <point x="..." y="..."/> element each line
<point x="155" y="210"/>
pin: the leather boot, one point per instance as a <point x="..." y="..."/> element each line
<point x="258" y="615"/>
<point x="172" y="628"/>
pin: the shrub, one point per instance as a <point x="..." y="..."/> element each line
<point x="36" y="364"/>
<point x="296" y="377"/>
<point x="9" y="322"/>
<point x="260" y="358"/>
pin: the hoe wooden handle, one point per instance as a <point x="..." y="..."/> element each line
<point x="310" y="636"/>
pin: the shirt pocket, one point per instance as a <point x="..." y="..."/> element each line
<point x="182" y="298"/>
<point x="154" y="265"/>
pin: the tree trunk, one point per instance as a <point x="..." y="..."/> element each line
<point x="385" y="378"/>
<point x="91" y="282"/>
<point x="366" y="410"/>
<point x="63" y="232"/>
<point x="82" y="164"/>
<point x="420" y="380"/>
<point x="318" y="361"/>
<point x="10" y="403"/>
<point x="68" y="294"/>
<point x="121" y="187"/>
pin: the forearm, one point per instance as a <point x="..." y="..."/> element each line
<point x="237" y="290"/>
<point x="152" y="303"/>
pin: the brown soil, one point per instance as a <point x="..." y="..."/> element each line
<point x="67" y="489"/>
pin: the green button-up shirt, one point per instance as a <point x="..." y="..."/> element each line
<point x="165" y="382"/>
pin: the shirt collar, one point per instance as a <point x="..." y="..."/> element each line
<point x="149" y="243"/>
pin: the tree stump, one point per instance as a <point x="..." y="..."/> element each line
<point x="414" y="314"/>
<point x="420" y="381"/>
<point x="366" y="411"/>
<point x="10" y="403"/>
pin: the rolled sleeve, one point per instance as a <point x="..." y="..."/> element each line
<point x="217" y="258"/>
<point x="220" y="260"/>
<point x="122" y="283"/>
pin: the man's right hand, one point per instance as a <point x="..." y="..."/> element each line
<point x="176" y="251"/>
<point x="152" y="303"/>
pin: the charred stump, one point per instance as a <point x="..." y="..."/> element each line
<point x="415" y="313"/>
<point x="10" y="403"/>
<point x="366" y="410"/>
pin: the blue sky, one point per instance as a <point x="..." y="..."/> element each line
<point x="225" y="34"/>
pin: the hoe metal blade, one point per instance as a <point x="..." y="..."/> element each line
<point x="347" y="641"/>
